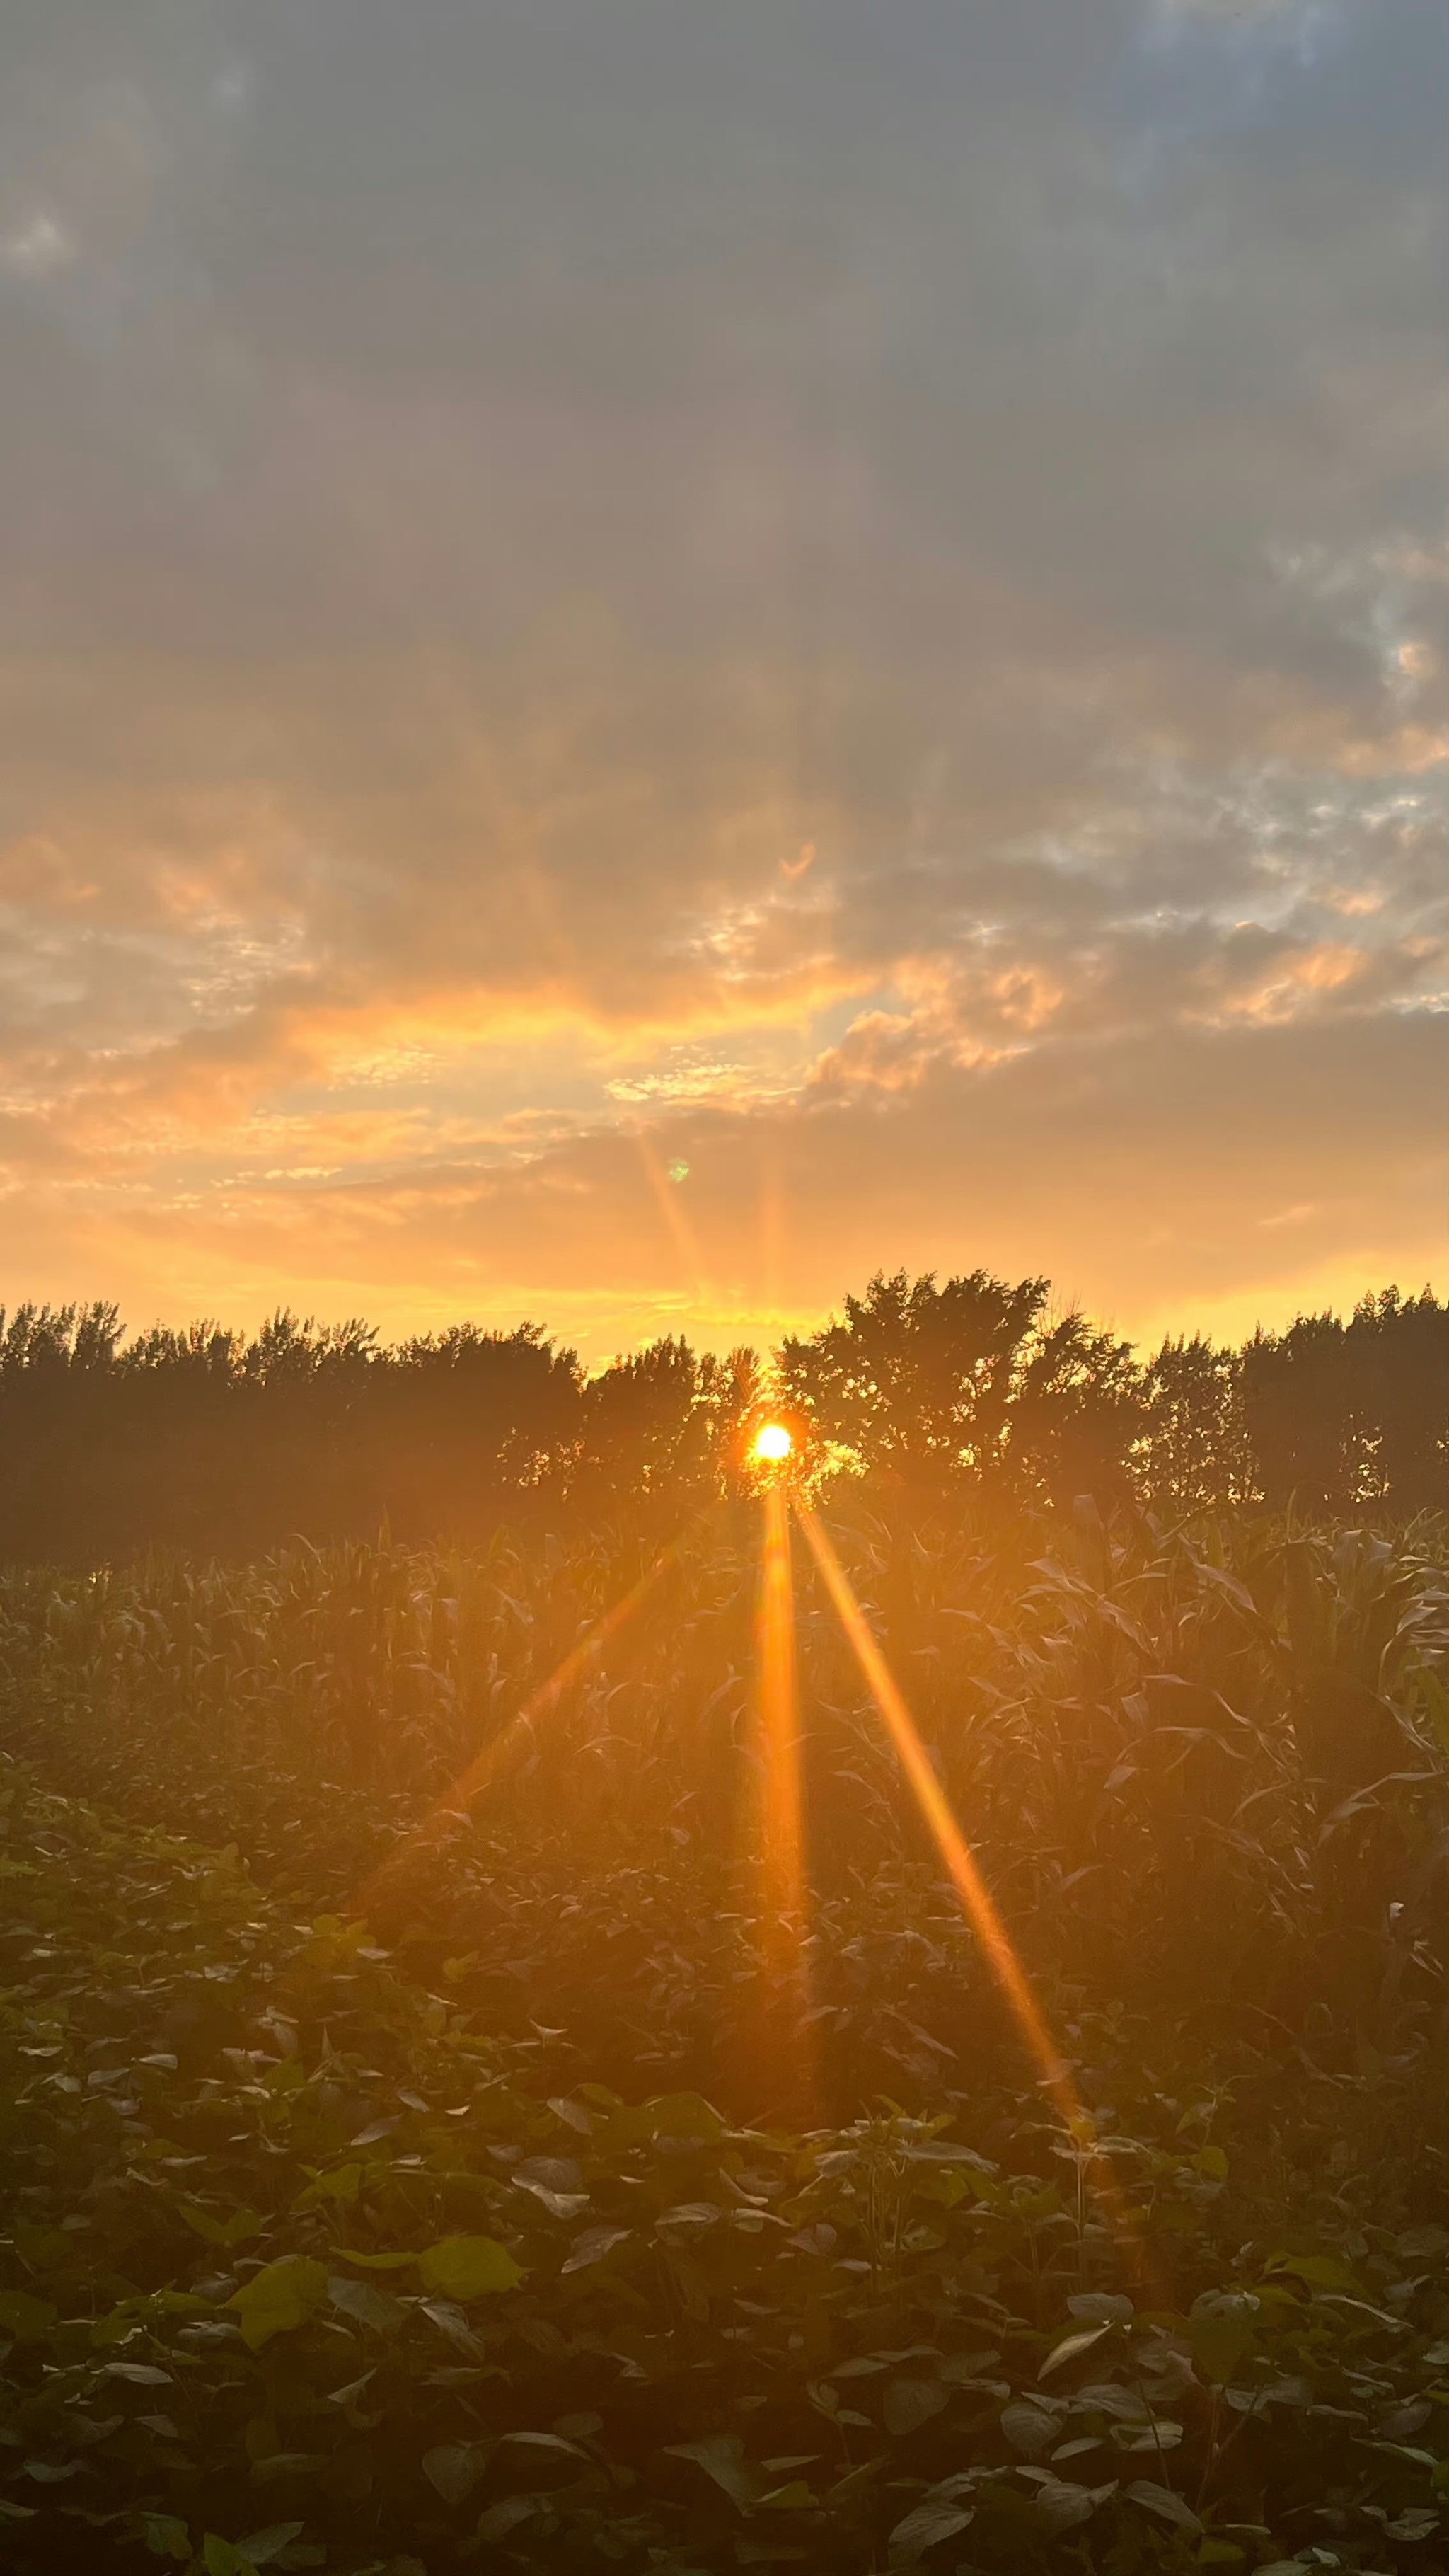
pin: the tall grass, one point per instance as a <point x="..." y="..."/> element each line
<point x="1204" y="1769"/>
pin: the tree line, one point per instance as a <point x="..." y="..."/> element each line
<point x="932" y="1391"/>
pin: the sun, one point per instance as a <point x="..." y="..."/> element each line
<point x="773" y="1444"/>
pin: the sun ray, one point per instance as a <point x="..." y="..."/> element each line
<point x="681" y="1233"/>
<point x="772" y="1228"/>
<point x="783" y="1877"/>
<point x="782" y="2027"/>
<point x="388" y="1880"/>
<point x="976" y="1899"/>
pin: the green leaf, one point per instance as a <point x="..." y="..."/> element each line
<point x="545" y="2442"/>
<point x="497" y="2520"/>
<point x="234" y="2230"/>
<point x="1158" y="2436"/>
<point x="1101" y="2307"/>
<point x="1070" y="2346"/>
<point x="454" y="2469"/>
<point x="260" y="2547"/>
<point x="451" y="2322"/>
<point x="374" y="2262"/>
<point x="468" y="2267"/>
<point x="1316" y="2272"/>
<point x="684" y="2115"/>
<point x="922" y="2529"/>
<point x="909" y="2403"/>
<point x="1222" y="2335"/>
<point x="1162" y="2501"/>
<point x="722" y="2457"/>
<point x="287" y="2464"/>
<point x="25" y="2318"/>
<point x="592" y="2245"/>
<point x="1062" y="2505"/>
<point x="221" y="2558"/>
<point x="796" y="2497"/>
<point x="165" y="2535"/>
<point x="279" y="2298"/>
<point x="1028" y="2428"/>
<point x="670" y="2115"/>
<point x="370" y="2306"/>
<point x="342" y="2186"/>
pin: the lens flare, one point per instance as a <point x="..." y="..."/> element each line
<point x="972" y="1890"/>
<point x="779" y="1703"/>
<point x="664" y="1187"/>
<point x="775" y="2045"/>
<point x="773" y="1444"/>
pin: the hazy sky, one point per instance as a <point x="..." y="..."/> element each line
<point x="655" y="654"/>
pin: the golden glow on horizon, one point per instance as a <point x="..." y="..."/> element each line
<point x="773" y="1444"/>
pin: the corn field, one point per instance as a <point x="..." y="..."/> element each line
<point x="1138" y="1727"/>
<point x="345" y="1946"/>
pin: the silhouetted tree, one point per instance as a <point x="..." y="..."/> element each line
<point x="1397" y="1351"/>
<point x="202" y="1440"/>
<point x="1077" y="1414"/>
<point x="656" y="1428"/>
<point x="206" y="1441"/>
<point x="1309" y="1437"/>
<point x="1345" y="1414"/>
<point x="966" y="1384"/>
<point x="467" y="1419"/>
<point x="58" y="1372"/>
<point x="1194" y="1453"/>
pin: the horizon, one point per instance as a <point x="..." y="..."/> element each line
<point x="765" y="1344"/>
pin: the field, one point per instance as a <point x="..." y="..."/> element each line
<point x="538" y="2175"/>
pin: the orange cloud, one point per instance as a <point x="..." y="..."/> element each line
<point x="429" y="678"/>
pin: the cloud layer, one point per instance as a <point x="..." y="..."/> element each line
<point x="846" y="605"/>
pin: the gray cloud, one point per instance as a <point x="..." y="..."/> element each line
<point x="489" y="488"/>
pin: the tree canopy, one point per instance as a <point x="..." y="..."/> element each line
<point x="931" y="1390"/>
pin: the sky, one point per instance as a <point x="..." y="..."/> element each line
<point x="653" y="656"/>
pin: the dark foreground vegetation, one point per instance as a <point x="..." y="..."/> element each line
<point x="527" y="2208"/>
<point x="973" y="1389"/>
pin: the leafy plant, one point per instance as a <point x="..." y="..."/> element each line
<point x="523" y="2212"/>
